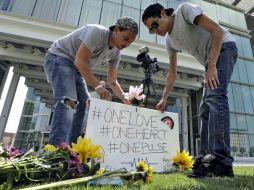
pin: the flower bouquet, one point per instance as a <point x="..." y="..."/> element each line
<point x="61" y="166"/>
<point x="135" y="96"/>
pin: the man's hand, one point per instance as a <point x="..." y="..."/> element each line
<point x="104" y="93"/>
<point x="126" y="100"/>
<point x="161" y="105"/>
<point x="211" y="80"/>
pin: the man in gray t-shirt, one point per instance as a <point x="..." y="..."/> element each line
<point x="189" y="29"/>
<point x="68" y="67"/>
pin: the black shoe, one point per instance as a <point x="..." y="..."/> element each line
<point x="211" y="166"/>
<point x="197" y="161"/>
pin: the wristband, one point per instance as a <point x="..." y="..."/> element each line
<point x="97" y="87"/>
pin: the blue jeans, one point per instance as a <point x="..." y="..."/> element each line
<point x="67" y="84"/>
<point x="214" y="109"/>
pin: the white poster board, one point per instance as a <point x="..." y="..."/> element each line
<point x="129" y="134"/>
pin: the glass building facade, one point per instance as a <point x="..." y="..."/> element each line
<point x="82" y="12"/>
<point x="33" y="123"/>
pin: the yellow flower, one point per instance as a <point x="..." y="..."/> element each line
<point x="149" y="177"/>
<point x="100" y="171"/>
<point x="50" y="148"/>
<point x="86" y="149"/>
<point x="141" y="166"/>
<point x="183" y="160"/>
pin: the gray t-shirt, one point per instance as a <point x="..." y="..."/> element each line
<point x="186" y="35"/>
<point x="95" y="38"/>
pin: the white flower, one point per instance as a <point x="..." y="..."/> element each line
<point x="135" y="92"/>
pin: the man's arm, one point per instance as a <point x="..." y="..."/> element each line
<point x="171" y="77"/>
<point x="115" y="86"/>
<point x="81" y="63"/>
<point x="211" y="77"/>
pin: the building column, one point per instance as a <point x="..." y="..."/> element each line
<point x="8" y="103"/>
<point x="185" y="123"/>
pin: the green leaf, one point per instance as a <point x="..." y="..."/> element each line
<point x="86" y="168"/>
<point x="94" y="168"/>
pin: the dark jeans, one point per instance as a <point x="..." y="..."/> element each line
<point x="214" y="109"/>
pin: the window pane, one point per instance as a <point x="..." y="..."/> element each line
<point x="224" y="14"/>
<point x="238" y="97"/>
<point x="230" y="98"/>
<point x="252" y="95"/>
<point x="238" y="44"/>
<point x="247" y="99"/>
<point x="47" y="9"/>
<point x="241" y="123"/>
<point x="250" y="122"/>
<point x="114" y="10"/>
<point x="90" y="13"/>
<point x="241" y="22"/>
<point x="22" y="7"/>
<point x="235" y="74"/>
<point x="132" y="3"/>
<point x="116" y="1"/>
<point x="209" y="9"/>
<point x="69" y="12"/>
<point x="250" y="71"/>
<point x="131" y="12"/>
<point x="242" y="69"/>
<point x="4" y="4"/>
<point x="247" y="51"/>
<point x="233" y="125"/>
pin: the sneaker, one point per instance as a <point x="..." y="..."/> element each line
<point x="211" y="166"/>
<point x="197" y="161"/>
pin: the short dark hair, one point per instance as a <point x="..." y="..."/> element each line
<point x="154" y="10"/>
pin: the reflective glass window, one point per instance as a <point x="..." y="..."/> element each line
<point x="90" y="12"/>
<point x="233" y="123"/>
<point x="240" y="18"/>
<point x="114" y="10"/>
<point x="132" y="3"/>
<point x="252" y="95"/>
<point x="250" y="123"/>
<point x="115" y="1"/>
<point x="22" y="7"/>
<point x="209" y="9"/>
<point x="47" y="9"/>
<point x="250" y="71"/>
<point x="235" y="74"/>
<point x="69" y="12"/>
<point x="238" y="44"/>
<point x="242" y="70"/>
<point x="131" y="12"/>
<point x="247" y="51"/>
<point x="238" y="97"/>
<point x="4" y="4"/>
<point x="247" y="99"/>
<point x="241" y="123"/>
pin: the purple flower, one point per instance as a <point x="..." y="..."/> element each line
<point x="11" y="151"/>
<point x="74" y="166"/>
